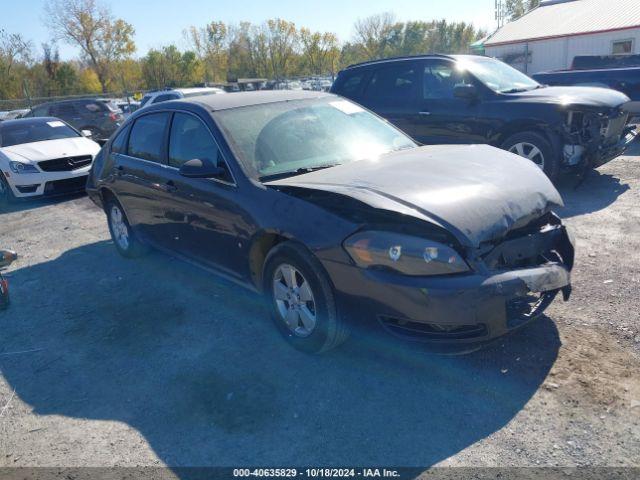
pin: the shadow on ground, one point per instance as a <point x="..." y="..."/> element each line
<point x="596" y="192"/>
<point x="22" y="205"/>
<point x="194" y="365"/>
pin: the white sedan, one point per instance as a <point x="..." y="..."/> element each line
<point x="43" y="156"/>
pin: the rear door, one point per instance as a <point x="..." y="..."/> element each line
<point x="143" y="184"/>
<point x="392" y="92"/>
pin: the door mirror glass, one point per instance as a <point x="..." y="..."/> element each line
<point x="197" y="168"/>
<point x="86" y="133"/>
<point x="465" y="91"/>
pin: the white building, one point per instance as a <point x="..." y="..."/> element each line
<point x="551" y="35"/>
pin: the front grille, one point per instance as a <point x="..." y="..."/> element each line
<point x="529" y="246"/>
<point x="68" y="185"/>
<point x="65" y="164"/>
<point x="614" y="127"/>
<point x="432" y="331"/>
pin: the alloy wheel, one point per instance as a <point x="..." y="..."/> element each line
<point x="294" y="300"/>
<point x="530" y="152"/>
<point x="119" y="227"/>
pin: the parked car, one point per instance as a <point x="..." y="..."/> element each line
<point x="471" y="99"/>
<point x="128" y="108"/>
<point x="7" y="257"/>
<point x="328" y="209"/>
<point x="177" y="93"/>
<point x="13" y="114"/>
<point x="621" y="73"/>
<point x="42" y="156"/>
<point x="99" y="116"/>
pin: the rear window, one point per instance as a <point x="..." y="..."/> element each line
<point x="34" y="131"/>
<point x="587" y="62"/>
<point x="147" y="137"/>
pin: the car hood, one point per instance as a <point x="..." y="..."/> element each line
<point x="477" y="192"/>
<point x="590" y="97"/>
<point x="49" y="149"/>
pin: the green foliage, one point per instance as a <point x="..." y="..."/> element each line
<point x="217" y="52"/>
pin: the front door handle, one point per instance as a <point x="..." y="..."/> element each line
<point x="424" y="113"/>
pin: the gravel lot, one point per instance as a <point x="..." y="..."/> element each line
<point x="105" y="362"/>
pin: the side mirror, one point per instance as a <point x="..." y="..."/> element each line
<point x="465" y="91"/>
<point x="86" y="133"/>
<point x="7" y="257"/>
<point x="197" y="168"/>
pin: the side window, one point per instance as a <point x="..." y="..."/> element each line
<point x="40" y="112"/>
<point x="396" y="82"/>
<point x="63" y="110"/>
<point x="350" y="84"/>
<point x="190" y="139"/>
<point x="147" y="137"/>
<point x="164" y="97"/>
<point x="119" y="144"/>
<point x="93" y="107"/>
<point x="440" y="78"/>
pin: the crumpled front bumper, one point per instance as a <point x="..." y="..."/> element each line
<point x="606" y="154"/>
<point x="456" y="309"/>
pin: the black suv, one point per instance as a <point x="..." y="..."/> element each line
<point x="100" y="116"/>
<point x="472" y="99"/>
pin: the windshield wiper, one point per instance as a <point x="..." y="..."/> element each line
<point x="293" y="173"/>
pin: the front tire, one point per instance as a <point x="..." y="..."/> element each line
<point x="123" y="236"/>
<point x="6" y="195"/>
<point x="536" y="148"/>
<point x="301" y="299"/>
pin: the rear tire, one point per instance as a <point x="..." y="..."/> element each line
<point x="301" y="299"/>
<point x="535" y="147"/>
<point x="123" y="236"/>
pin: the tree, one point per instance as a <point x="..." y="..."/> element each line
<point x="320" y="51"/>
<point x="373" y="34"/>
<point x="87" y="24"/>
<point x="170" y="68"/>
<point x="282" y="42"/>
<point x="211" y="45"/>
<point x="14" y="49"/>
<point x="517" y="8"/>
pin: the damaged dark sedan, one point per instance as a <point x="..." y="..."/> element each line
<point x="333" y="213"/>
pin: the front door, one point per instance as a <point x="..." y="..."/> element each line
<point x="443" y="118"/>
<point x="208" y="222"/>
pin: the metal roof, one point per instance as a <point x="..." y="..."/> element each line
<point x="565" y="18"/>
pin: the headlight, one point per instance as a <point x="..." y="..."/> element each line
<point x="19" y="167"/>
<point x="403" y="253"/>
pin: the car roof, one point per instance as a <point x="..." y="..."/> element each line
<point x="247" y="99"/>
<point x="30" y="121"/>
<point x="406" y="57"/>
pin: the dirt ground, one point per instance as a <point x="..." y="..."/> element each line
<point x="106" y="361"/>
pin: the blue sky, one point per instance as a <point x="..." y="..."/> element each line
<point x="160" y="22"/>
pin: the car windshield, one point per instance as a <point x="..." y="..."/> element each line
<point x="289" y="138"/>
<point x="34" y="131"/>
<point x="498" y="76"/>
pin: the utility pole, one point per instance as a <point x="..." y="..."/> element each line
<point x="500" y="12"/>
